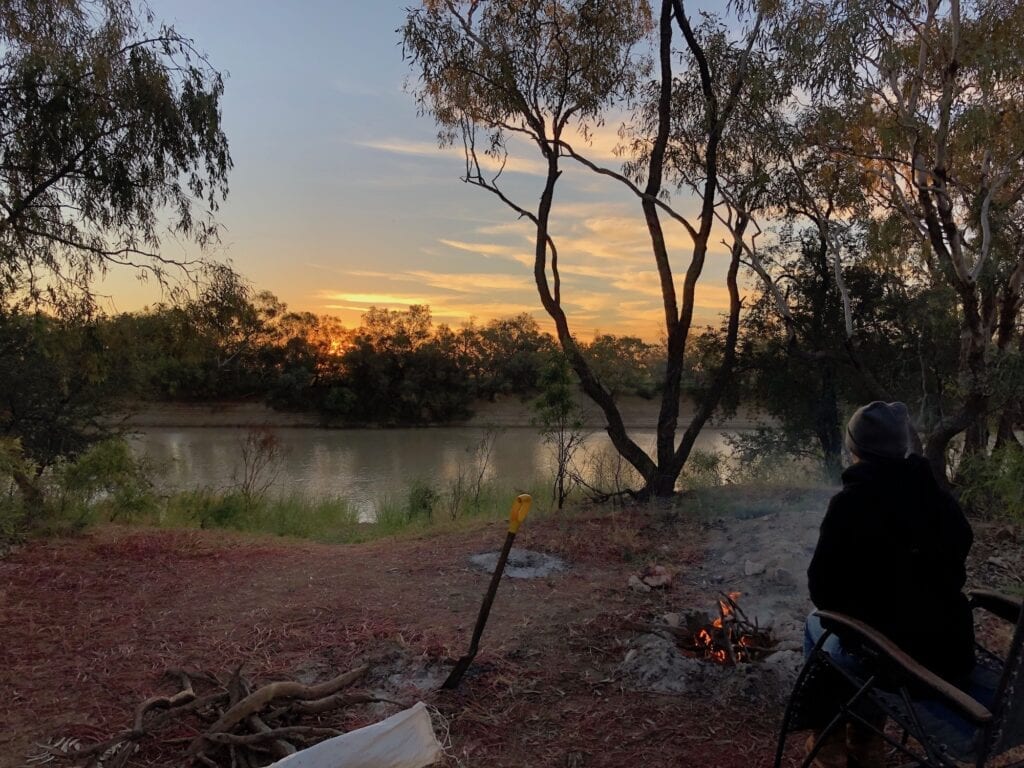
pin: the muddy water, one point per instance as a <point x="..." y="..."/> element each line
<point x="364" y="465"/>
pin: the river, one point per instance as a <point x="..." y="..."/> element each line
<point x="364" y="466"/>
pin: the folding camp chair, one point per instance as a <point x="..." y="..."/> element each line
<point x="949" y="725"/>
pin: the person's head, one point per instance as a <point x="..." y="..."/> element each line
<point x="879" y="432"/>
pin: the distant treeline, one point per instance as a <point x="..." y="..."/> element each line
<point x="229" y="344"/>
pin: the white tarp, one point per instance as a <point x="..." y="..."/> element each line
<point x="405" y="740"/>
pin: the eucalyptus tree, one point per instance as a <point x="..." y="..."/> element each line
<point x="927" y="97"/>
<point x="110" y="135"/>
<point x="549" y="70"/>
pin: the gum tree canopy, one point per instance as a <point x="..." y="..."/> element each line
<point x="688" y="88"/>
<point x="926" y="99"/>
<point x="110" y="135"/>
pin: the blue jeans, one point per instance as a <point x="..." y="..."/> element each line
<point x="846" y="661"/>
<point x="833" y="647"/>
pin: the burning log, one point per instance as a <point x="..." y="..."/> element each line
<point x="731" y="638"/>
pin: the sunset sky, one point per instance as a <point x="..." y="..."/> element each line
<point x="340" y="198"/>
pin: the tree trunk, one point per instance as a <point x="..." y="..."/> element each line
<point x="976" y="439"/>
<point x="660" y="485"/>
<point x="827" y="428"/>
<point x="937" y="447"/>
<point x="1006" y="434"/>
<point x="30" y="492"/>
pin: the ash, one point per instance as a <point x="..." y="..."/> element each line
<point x="522" y="564"/>
<point x="654" y="663"/>
<point x="762" y="554"/>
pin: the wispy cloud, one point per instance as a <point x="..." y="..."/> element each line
<point x="511" y="164"/>
<point x="510" y="252"/>
<point x="374" y="299"/>
<point x="458" y="282"/>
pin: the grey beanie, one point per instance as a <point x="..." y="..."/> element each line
<point x="879" y="430"/>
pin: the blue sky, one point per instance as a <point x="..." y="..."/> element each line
<point x="340" y="198"/>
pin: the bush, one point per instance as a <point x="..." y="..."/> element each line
<point x="994" y="485"/>
<point x="219" y="510"/>
<point x="12" y="508"/>
<point x="104" y="482"/>
<point x="420" y="500"/>
<point x="706" y="468"/>
<point x="774" y="457"/>
<point x="107" y="481"/>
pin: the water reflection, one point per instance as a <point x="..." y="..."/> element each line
<point x="365" y="465"/>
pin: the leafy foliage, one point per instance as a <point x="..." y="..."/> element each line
<point x="993" y="484"/>
<point x="55" y="384"/>
<point x="110" y="126"/>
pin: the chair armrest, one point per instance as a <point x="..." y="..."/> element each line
<point x="942" y="689"/>
<point x="996" y="603"/>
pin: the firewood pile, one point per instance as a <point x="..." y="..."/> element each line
<point x="228" y="723"/>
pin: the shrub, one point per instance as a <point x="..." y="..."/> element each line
<point x="420" y="500"/>
<point x="993" y="485"/>
<point x="706" y="468"/>
<point x="221" y="510"/>
<point x="106" y="480"/>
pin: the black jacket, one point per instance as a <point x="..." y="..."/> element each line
<point x="891" y="553"/>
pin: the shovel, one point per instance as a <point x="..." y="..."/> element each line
<point x="520" y="509"/>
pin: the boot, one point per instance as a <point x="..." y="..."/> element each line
<point x="833" y="751"/>
<point x="867" y="748"/>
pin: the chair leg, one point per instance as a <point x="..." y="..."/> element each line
<point x="866" y="741"/>
<point x="831" y="730"/>
<point x="783" y="732"/>
<point x="788" y="716"/>
<point x="933" y="758"/>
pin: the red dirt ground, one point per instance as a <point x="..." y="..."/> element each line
<point x="90" y="624"/>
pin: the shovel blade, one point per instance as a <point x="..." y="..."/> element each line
<point x="455" y="676"/>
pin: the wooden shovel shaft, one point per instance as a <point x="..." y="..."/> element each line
<point x="481" y="620"/>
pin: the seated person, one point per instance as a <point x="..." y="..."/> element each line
<point x="891" y="553"/>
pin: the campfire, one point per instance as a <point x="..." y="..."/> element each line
<point x="730" y="638"/>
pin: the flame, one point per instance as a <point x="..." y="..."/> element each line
<point x="724" y="639"/>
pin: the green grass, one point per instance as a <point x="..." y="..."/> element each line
<point x="319" y="519"/>
<point x="420" y="510"/>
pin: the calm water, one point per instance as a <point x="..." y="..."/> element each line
<point x="364" y="465"/>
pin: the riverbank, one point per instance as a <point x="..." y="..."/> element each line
<point x="92" y="622"/>
<point x="507" y="412"/>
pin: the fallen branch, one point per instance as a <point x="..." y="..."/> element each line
<point x="278" y="747"/>
<point x="271" y="735"/>
<point x="337" y="701"/>
<point x="184" y="696"/>
<point x="235" y="724"/>
<point x="261" y="697"/>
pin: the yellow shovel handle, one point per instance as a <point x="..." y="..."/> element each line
<point x="520" y="509"/>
